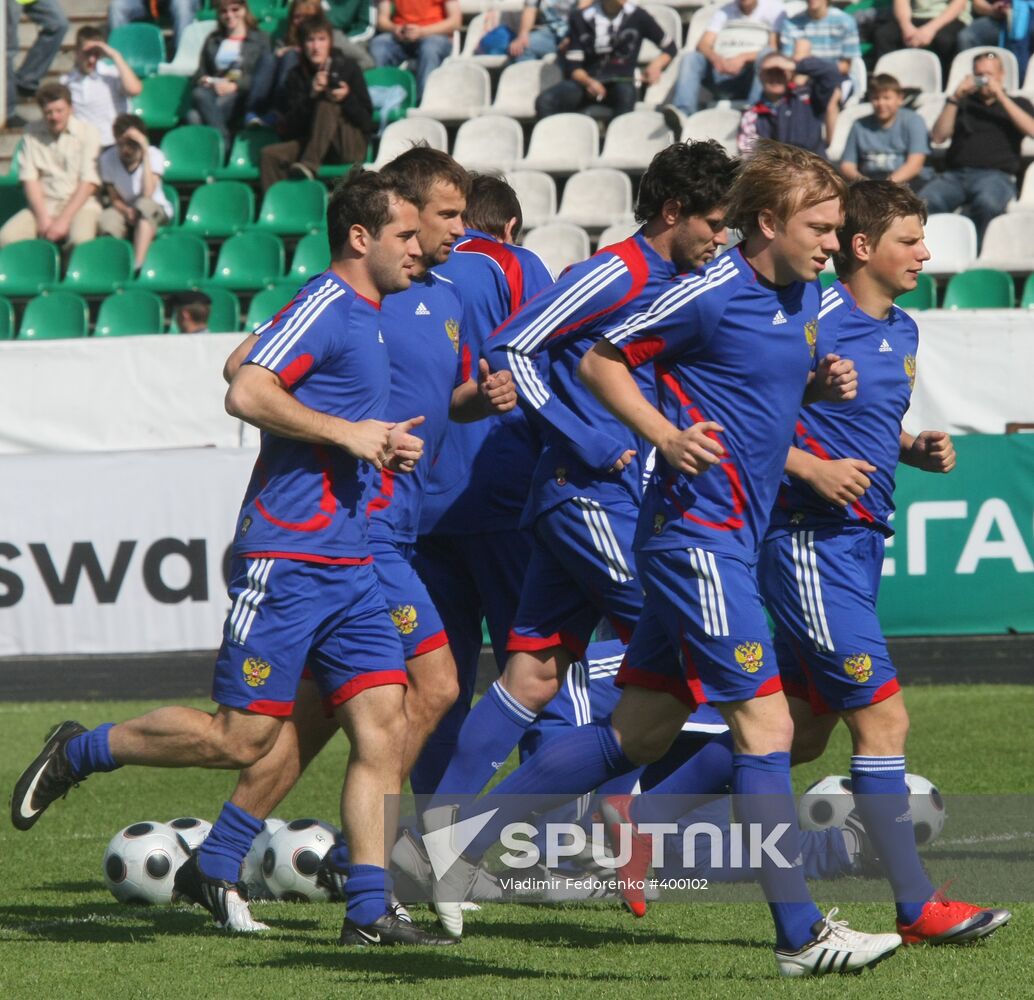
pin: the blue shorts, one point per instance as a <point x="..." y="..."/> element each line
<point x="703" y="635"/>
<point x="820" y="586"/>
<point x="581" y="571"/>
<point x="410" y="606"/>
<point x="286" y="614"/>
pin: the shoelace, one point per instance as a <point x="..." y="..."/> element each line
<point x="834" y="928"/>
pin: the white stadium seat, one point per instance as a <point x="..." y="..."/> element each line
<point x="520" y="83"/>
<point x="559" y="244"/>
<point x="475" y="32"/>
<point x="846" y="118"/>
<point x="536" y="191"/>
<point x="741" y="36"/>
<point x="188" y="52"/>
<point x="661" y="91"/>
<point x="455" y="91"/>
<point x="721" y="124"/>
<point x="596" y="198"/>
<point x="562" y="144"/>
<point x="1009" y="243"/>
<point x="489" y="143"/>
<point x="1025" y="202"/>
<point x="616" y="233"/>
<point x="917" y="68"/>
<point x="698" y="24"/>
<point x="962" y="64"/>
<point x="952" y="242"/>
<point x="632" y="140"/>
<point x="401" y="135"/>
<point x="670" y="22"/>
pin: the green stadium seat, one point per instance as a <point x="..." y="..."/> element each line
<point x="98" y="266"/>
<point x="12" y="200"/>
<point x="7" y="329"/>
<point x="269" y="302"/>
<point x="130" y="312"/>
<point x="218" y="210"/>
<point x="923" y="296"/>
<point x="55" y="315"/>
<point x="979" y="288"/>
<point x="392" y="76"/>
<point x="249" y="260"/>
<point x="27" y="267"/>
<point x="311" y="256"/>
<point x="175" y="262"/>
<point x="142" y="46"/>
<point x="173" y="197"/>
<point x="225" y="316"/>
<point x="164" y="101"/>
<point x="193" y="154"/>
<point x="1028" y="293"/>
<point x="292" y="208"/>
<point x="245" y="154"/>
<point x="11" y="177"/>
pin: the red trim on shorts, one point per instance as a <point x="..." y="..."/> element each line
<point x="622" y="629"/>
<point x="773" y="685"/>
<point x="794" y="690"/>
<point x="378" y="678"/>
<point x="885" y="690"/>
<point x="573" y="644"/>
<point x="307" y="557"/>
<point x="431" y="643"/>
<point x="277" y="709"/>
<point x="517" y="643"/>
<point x="635" y="677"/>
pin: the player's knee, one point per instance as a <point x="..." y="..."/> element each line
<point x="643" y="748"/>
<point x="808" y="747"/>
<point x="245" y="749"/>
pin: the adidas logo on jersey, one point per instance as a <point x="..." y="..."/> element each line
<point x="778" y="319"/>
<point x="885" y="347"/>
<point x="422" y="310"/>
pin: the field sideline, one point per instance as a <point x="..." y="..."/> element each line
<point x="62" y="935"/>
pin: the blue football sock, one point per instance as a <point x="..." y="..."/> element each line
<point x="881" y="798"/>
<point x="90" y="752"/>
<point x="367" y="893"/>
<point x="222" y="852"/>
<point x="491" y="731"/>
<point x="761" y="784"/>
<point x="340" y="857"/>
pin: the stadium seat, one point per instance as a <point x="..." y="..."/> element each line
<point x="172" y="196"/>
<point x="472" y="38"/>
<point x="142" y="46"/>
<point x="519" y="84"/>
<point x="616" y="233"/>
<point x="698" y="25"/>
<point x="293" y="208"/>
<point x="219" y="209"/>
<point x="392" y="76"/>
<point x="562" y="144"/>
<point x="979" y="288"/>
<point x="400" y="135"/>
<point x="917" y="69"/>
<point x="962" y="65"/>
<point x="249" y="260"/>
<point x="741" y="35"/>
<point x="1027" y="302"/>
<point x="1025" y="201"/>
<point x="163" y="102"/>
<point x="559" y="244"/>
<point x="188" y="52"/>
<point x="923" y="296"/>
<point x="7" y="328"/>
<point x="952" y="241"/>
<point x="670" y="20"/>
<point x="269" y="302"/>
<point x="128" y="313"/>
<point x="245" y="154"/>
<point x="11" y="179"/>
<point x="55" y="315"/>
<point x="596" y="198"/>
<point x="661" y="92"/>
<point x="455" y="91"/>
<point x="632" y="140"/>
<point x="845" y="120"/>
<point x="27" y="267"/>
<point x="175" y="262"/>
<point x="1008" y="243"/>
<point x="193" y="154"/>
<point x="311" y="256"/>
<point x="720" y="124"/>
<point x="536" y="191"/>
<point x="489" y="142"/>
<point x="98" y="266"/>
<point x="225" y="316"/>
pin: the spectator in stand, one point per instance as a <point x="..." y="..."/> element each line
<point x="890" y="144"/>
<point x="732" y="77"/>
<point x="191" y="311"/>
<point x="100" y="90"/>
<point x="419" y="30"/>
<point x="825" y="32"/>
<point x="57" y="166"/>
<point x="131" y="173"/>
<point x="986" y="127"/>
<point x="600" y="61"/>
<point x="541" y="29"/>
<point x="232" y="56"/>
<point x="999" y="22"/>
<point x="794" y="99"/>
<point x="182" y="13"/>
<point x="328" y="113"/>
<point x="921" y="24"/>
<point x="52" y="25"/>
<point x="265" y="99"/>
<point x="351" y="21"/>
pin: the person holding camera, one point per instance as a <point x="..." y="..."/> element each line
<point x="328" y="114"/>
<point x="131" y="172"/>
<point x="986" y="127"/>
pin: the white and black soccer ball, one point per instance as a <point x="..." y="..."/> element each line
<point x="293" y="857"/>
<point x="192" y="830"/>
<point x="251" y="870"/>
<point x="826" y="803"/>
<point x="927" y="807"/>
<point x="141" y="861"/>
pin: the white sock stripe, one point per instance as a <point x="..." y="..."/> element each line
<point x="252" y="611"/>
<point x="513" y="704"/>
<point x="719" y="593"/>
<point x="529" y="381"/>
<point x="303" y="310"/>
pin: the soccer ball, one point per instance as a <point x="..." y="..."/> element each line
<point x="826" y="803"/>
<point x="141" y="861"/>
<point x="293" y="857"/>
<point x="251" y="870"/>
<point x="927" y="807"/>
<point x="192" y="830"/>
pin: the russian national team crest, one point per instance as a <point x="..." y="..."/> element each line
<point x="404" y="618"/>
<point x="858" y="667"/>
<point x="910" y="370"/>
<point x="256" y="672"/>
<point x="811" y="334"/>
<point x="750" y="656"/>
<point x="452" y="328"/>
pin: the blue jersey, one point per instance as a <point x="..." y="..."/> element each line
<point x="868" y="426"/>
<point x="480" y="481"/>
<point x="582" y="440"/>
<point x="422" y="329"/>
<point x="306" y="501"/>
<point x="728" y="347"/>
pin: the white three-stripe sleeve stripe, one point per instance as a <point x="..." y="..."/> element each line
<point x="281" y="342"/>
<point x="712" y="594"/>
<point x="248" y="600"/>
<point x="309" y="303"/>
<point x="830" y="306"/>
<point x="528" y="380"/>
<point x="604" y="538"/>
<point x="810" y="589"/>
<point x="302" y="326"/>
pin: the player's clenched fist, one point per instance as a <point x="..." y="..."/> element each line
<point x="623" y="461"/>
<point x="841" y="481"/>
<point x="406" y="449"/>
<point x="933" y="451"/>
<point x="836" y="379"/>
<point x="368" y="440"/>
<point x="496" y="388"/>
<point x="694" y="449"/>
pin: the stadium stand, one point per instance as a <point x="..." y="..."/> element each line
<point x="27" y="267"/>
<point x="719" y="123"/>
<point x="562" y="144"/>
<point x="188" y="52"/>
<point x="596" y="198"/>
<point x="249" y="261"/>
<point x="245" y="155"/>
<point x="193" y="154"/>
<point x="54" y="315"/>
<point x="129" y="313"/>
<point x="400" y="135"/>
<point x="489" y="142"/>
<point x="917" y="69"/>
<point x="952" y="240"/>
<point x="293" y="208"/>
<point x="219" y="209"/>
<point x="962" y="65"/>
<point x="174" y="262"/>
<point x="519" y="84"/>
<point x="311" y="256"/>
<point x="616" y="233"/>
<point x="1009" y="243"/>
<point x="632" y="140"/>
<point x="455" y="91"/>
<point x="7" y="327"/>
<point x="979" y="288"/>
<point x="559" y="244"/>
<point x="536" y="191"/>
<point x="163" y="102"/>
<point x="98" y="266"/>
<point x="142" y="45"/>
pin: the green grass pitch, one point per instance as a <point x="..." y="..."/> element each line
<point x="63" y="936"/>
